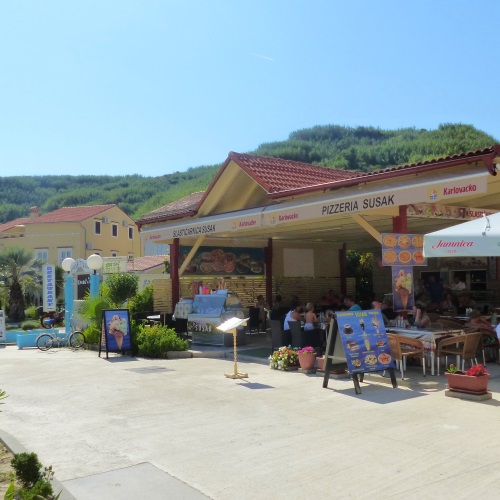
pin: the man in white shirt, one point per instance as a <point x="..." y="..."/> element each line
<point x="458" y="284"/>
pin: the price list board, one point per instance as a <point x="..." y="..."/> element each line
<point x="365" y="341"/>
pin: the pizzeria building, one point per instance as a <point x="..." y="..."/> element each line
<point x="269" y="226"/>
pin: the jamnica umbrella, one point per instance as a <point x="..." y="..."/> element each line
<point x="476" y="238"/>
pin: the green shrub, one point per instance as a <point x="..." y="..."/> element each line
<point x="35" y="481"/>
<point x="27" y="467"/>
<point x="155" y="341"/>
<point x="31" y="313"/>
<point x="142" y="302"/>
<point x="30" y="325"/>
<point x="92" y="334"/>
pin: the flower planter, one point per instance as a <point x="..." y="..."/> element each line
<point x="307" y="360"/>
<point x="465" y="383"/>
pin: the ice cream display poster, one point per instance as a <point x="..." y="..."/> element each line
<point x="116" y="336"/>
<point x="402" y="288"/>
<point x="365" y="341"/>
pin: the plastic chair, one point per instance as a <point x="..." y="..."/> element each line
<point x="303" y="338"/>
<point x="464" y="346"/>
<point x="253" y="321"/>
<point x="279" y="338"/>
<point x="403" y="347"/>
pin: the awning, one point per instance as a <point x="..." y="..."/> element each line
<point x="476" y="238"/>
<point x="423" y="188"/>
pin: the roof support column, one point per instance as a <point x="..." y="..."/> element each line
<point x="343" y="269"/>
<point x="174" y="271"/>
<point x="400" y="222"/>
<point x="191" y="254"/>
<point x="268" y="259"/>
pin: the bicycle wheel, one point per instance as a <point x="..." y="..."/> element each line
<point x="76" y="340"/>
<point x="44" y="342"/>
<point x="46" y="321"/>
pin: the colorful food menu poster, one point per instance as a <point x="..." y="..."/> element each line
<point x="365" y="341"/>
<point x="403" y="249"/>
<point x="402" y="288"/>
<point x="224" y="261"/>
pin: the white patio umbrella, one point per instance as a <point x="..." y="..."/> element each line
<point x="476" y="238"/>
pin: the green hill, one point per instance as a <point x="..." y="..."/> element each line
<point x="359" y="148"/>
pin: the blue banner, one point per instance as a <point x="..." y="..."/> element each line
<point x="365" y="341"/>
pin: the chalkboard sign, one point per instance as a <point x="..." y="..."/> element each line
<point x="365" y="341"/>
<point x="115" y="334"/>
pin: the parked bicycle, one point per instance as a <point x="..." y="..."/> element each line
<point x="74" y="338"/>
<point x="50" y="319"/>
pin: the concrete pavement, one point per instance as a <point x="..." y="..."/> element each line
<point x="129" y="428"/>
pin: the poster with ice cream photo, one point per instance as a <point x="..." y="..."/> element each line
<point x="402" y="288"/>
<point x="117" y="330"/>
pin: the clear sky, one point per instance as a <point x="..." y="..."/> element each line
<point x="153" y="87"/>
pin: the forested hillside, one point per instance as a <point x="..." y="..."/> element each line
<point x="360" y="148"/>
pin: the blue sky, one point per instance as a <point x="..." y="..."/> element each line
<point x="153" y="87"/>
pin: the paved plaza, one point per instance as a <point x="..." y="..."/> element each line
<point x="129" y="428"/>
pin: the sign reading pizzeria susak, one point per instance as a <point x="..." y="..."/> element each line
<point x="400" y="192"/>
<point x="429" y="191"/>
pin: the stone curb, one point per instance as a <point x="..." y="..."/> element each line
<point x="179" y="354"/>
<point x="15" y="446"/>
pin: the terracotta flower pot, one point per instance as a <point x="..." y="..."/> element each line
<point x="465" y="383"/>
<point x="307" y="360"/>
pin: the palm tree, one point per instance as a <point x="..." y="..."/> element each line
<point x="18" y="269"/>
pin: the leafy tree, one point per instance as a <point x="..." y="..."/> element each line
<point x="360" y="266"/>
<point x="19" y="270"/>
<point x="121" y="287"/>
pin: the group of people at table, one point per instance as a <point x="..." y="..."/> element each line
<point x="432" y="297"/>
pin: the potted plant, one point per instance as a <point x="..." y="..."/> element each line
<point x="285" y="358"/>
<point x="307" y="357"/>
<point x="473" y="381"/>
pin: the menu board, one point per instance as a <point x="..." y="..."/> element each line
<point x="224" y="261"/>
<point x="403" y="250"/>
<point x="365" y="341"/>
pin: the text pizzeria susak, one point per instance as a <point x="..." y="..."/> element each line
<point x="354" y="206"/>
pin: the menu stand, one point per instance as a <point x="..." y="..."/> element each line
<point x="230" y="326"/>
<point x="335" y="351"/>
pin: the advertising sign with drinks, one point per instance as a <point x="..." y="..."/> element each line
<point x="402" y="288"/>
<point x="365" y="341"/>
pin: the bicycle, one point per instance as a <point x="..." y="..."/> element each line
<point x="73" y="338"/>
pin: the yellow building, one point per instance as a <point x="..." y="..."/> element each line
<point x="75" y="232"/>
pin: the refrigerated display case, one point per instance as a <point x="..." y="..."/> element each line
<point x="209" y="311"/>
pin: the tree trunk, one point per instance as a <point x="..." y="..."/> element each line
<point x="16" y="302"/>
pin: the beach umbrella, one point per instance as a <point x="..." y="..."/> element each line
<point x="475" y="238"/>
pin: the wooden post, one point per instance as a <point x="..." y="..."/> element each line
<point x="174" y="272"/>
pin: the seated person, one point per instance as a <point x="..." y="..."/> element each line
<point x="448" y="304"/>
<point x="261" y="306"/>
<point x="465" y="302"/>
<point x="351" y="304"/>
<point x="293" y="315"/>
<point x="475" y="320"/>
<point x="422" y="319"/>
<point x="310" y="317"/>
<point x="278" y="302"/>
<point x="458" y="284"/>
<point x="378" y="305"/>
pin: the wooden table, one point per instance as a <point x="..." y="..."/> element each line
<point x="427" y="337"/>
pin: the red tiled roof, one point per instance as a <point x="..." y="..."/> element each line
<point x="13" y="223"/>
<point x="184" y="206"/>
<point x="65" y="214"/>
<point x="147" y="262"/>
<point x="485" y="155"/>
<point x="276" y="174"/>
<point x="71" y="214"/>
